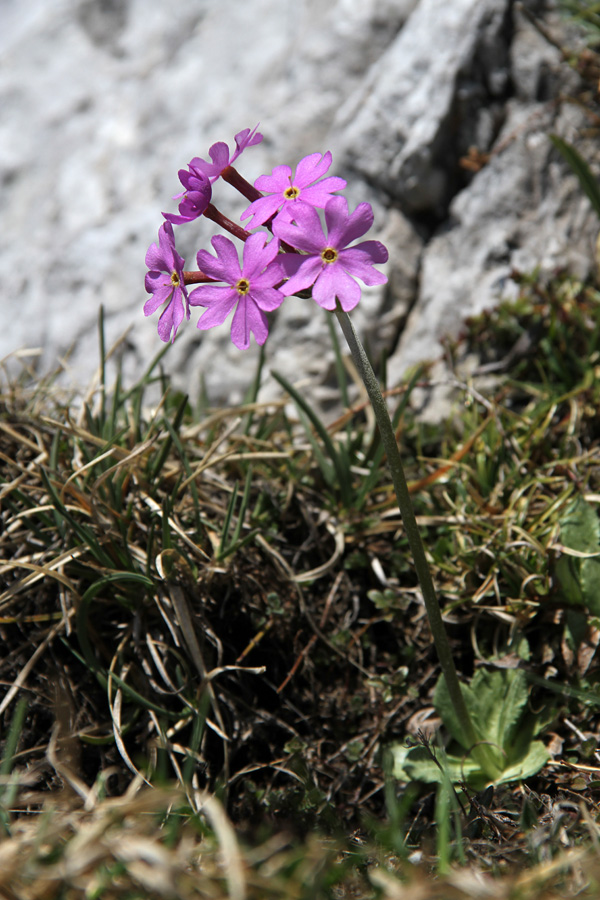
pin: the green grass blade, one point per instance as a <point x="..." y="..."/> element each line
<point x="243" y="506"/>
<point x="587" y="180"/>
<point x="252" y="393"/>
<point x="85" y="534"/>
<point x="82" y="624"/>
<point x="9" y="791"/>
<point x="164" y="451"/>
<point x="227" y="521"/>
<point x="343" y="475"/>
<point x="327" y="469"/>
<point x="340" y="368"/>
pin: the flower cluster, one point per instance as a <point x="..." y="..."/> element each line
<point x="296" y="252"/>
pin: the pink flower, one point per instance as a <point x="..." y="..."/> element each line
<point x="250" y="289"/>
<point x="166" y="283"/>
<point x="307" y="186"/>
<point x="219" y="154"/>
<point x="196" y="197"/>
<point x="330" y="266"/>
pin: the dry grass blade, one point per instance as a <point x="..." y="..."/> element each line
<point x="24" y="673"/>
<point x="229" y="849"/>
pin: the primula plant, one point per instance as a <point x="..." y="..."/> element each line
<point x="298" y="252"/>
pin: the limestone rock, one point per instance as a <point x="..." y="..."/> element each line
<point x="402" y="126"/>
<point x="104" y="100"/>
<point x="522" y="210"/>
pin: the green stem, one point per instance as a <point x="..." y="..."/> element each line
<point x="481" y="752"/>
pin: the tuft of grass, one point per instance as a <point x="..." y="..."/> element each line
<point x="188" y="601"/>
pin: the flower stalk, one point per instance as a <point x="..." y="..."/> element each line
<point x="196" y="277"/>
<point x="482" y="752"/>
<point x="211" y="212"/>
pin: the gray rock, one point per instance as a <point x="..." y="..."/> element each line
<point x="104" y="100"/>
<point x="520" y="211"/>
<point x="401" y="128"/>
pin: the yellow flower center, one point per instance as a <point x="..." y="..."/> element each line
<point x="242" y="286"/>
<point x="329" y="255"/>
<point x="291" y="193"/>
<point x="175" y="279"/>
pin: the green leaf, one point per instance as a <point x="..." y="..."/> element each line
<point x="499" y="698"/>
<point x="418" y="764"/>
<point x="580" y="527"/>
<point x="535" y="759"/>
<point x="445" y="709"/>
<point x="566" y="572"/>
<point x="579" y="579"/>
<point x="590" y="584"/>
<point x="495" y="699"/>
<point x="579" y="166"/>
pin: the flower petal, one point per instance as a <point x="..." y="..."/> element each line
<point x="262" y="210"/>
<point x="227" y="265"/>
<point x="256" y="255"/>
<point x="309" y="270"/>
<point x="267" y="298"/>
<point x="320" y="194"/>
<point x="332" y="283"/>
<point x="219" y="154"/>
<point x="174" y="219"/>
<point x="276" y="182"/>
<point x="243" y="139"/>
<point x="344" y="228"/>
<point x="212" y="295"/>
<point x="159" y="296"/>
<point x="290" y="263"/>
<point x="358" y="261"/>
<point x="220" y="157"/>
<point x="217" y="313"/>
<point x="155" y="280"/>
<point x="311" y="168"/>
<point x="272" y="276"/>
<point x="228" y="255"/>
<point x="375" y="250"/>
<point x="171" y="318"/>
<point x="155" y="259"/>
<point x="248" y="318"/>
<point x="306" y="234"/>
<point x="163" y="257"/>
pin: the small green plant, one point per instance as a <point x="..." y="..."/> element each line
<point x="497" y="701"/>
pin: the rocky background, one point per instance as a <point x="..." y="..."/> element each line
<point x="104" y="100"/>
